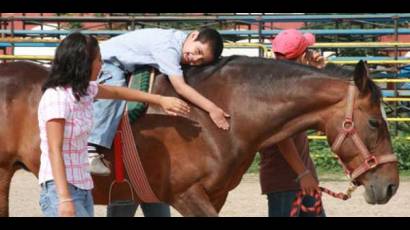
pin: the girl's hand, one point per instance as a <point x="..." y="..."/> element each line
<point x="174" y="106"/>
<point x="66" y="209"/>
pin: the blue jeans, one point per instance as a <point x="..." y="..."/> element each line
<point x="280" y="203"/>
<point x="49" y="201"/>
<point x="107" y="113"/>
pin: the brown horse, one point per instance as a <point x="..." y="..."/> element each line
<point x="190" y="163"/>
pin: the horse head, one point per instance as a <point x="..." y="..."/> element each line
<point x="357" y="131"/>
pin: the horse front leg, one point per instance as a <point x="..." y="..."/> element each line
<point x="219" y="201"/>
<point x="194" y="202"/>
<point x="6" y="173"/>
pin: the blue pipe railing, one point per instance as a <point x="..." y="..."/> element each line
<point x="223" y="32"/>
<point x="383" y="17"/>
<point x="318" y="18"/>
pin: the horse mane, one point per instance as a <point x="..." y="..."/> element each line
<point x="285" y="69"/>
<point x="194" y="74"/>
<point x="346" y="72"/>
<point x="338" y="71"/>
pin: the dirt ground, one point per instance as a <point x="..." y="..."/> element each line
<point x="245" y="201"/>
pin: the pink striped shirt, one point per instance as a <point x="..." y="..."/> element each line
<point x="60" y="103"/>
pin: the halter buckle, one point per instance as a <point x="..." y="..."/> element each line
<point x="352" y="187"/>
<point x="371" y="162"/>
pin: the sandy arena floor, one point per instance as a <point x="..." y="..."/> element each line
<point x="244" y="201"/>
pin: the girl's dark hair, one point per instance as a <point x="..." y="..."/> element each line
<point x="72" y="63"/>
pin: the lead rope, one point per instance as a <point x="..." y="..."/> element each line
<point x="317" y="207"/>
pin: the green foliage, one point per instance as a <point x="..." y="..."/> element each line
<point x="322" y="156"/>
<point x="70" y="25"/>
<point x="401" y="148"/>
<point x="326" y="161"/>
<point x="254" y="168"/>
<point x="75" y="25"/>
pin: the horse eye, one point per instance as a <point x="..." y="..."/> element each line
<point x="374" y="123"/>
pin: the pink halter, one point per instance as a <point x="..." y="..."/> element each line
<point x="348" y="130"/>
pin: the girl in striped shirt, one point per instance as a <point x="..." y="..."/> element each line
<point x="65" y="120"/>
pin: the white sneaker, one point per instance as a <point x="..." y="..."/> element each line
<point x="97" y="166"/>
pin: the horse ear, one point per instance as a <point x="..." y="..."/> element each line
<point x="361" y="76"/>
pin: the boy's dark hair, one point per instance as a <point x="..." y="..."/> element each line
<point x="213" y="38"/>
<point x="73" y="63"/>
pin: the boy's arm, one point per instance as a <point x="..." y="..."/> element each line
<point x="217" y="115"/>
<point x="288" y="150"/>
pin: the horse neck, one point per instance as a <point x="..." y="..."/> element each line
<point x="302" y="104"/>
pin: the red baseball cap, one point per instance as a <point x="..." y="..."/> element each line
<point x="292" y="43"/>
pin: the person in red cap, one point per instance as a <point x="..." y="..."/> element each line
<point x="279" y="178"/>
<point x="293" y="45"/>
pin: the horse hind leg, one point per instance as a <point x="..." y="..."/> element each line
<point x="6" y="173"/>
<point x="194" y="202"/>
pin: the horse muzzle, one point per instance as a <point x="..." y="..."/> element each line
<point x="380" y="190"/>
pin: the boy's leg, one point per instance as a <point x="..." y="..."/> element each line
<point x="107" y="115"/>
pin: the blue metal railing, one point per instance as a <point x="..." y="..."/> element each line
<point x="382" y="17"/>
<point x="223" y="32"/>
<point x="318" y="18"/>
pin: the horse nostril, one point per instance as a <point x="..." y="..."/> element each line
<point x="391" y="189"/>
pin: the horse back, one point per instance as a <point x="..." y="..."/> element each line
<point x="20" y="92"/>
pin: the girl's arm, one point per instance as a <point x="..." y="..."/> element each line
<point x="55" y="137"/>
<point x="171" y="105"/>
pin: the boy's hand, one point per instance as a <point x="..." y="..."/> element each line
<point x="218" y="116"/>
<point x="174" y="106"/>
<point x="309" y="185"/>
